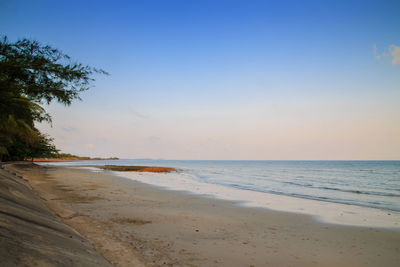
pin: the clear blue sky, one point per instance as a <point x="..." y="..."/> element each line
<point x="225" y="79"/>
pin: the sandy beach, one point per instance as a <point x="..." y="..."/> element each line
<point x="134" y="224"/>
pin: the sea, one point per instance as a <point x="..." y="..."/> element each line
<point x="369" y="184"/>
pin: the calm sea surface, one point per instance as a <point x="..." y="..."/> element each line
<point x="363" y="183"/>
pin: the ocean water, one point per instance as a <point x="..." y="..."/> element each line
<point x="373" y="184"/>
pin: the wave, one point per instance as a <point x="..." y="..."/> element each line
<point x="369" y="204"/>
<point x="354" y="191"/>
<point x="373" y="193"/>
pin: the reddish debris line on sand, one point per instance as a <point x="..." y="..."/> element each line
<point x="157" y="169"/>
<point x="137" y="168"/>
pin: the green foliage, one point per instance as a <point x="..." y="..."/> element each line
<point x="44" y="148"/>
<point x="30" y="74"/>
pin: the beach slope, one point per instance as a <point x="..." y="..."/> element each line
<point x="32" y="235"/>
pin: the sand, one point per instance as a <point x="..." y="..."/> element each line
<point x="134" y="224"/>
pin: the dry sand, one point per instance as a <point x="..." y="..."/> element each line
<point x="134" y="224"/>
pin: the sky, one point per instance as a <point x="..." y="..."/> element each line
<point x="233" y="80"/>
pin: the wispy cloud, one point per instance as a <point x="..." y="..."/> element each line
<point x="69" y="129"/>
<point x="137" y="113"/>
<point x="393" y="52"/>
<point x="153" y="139"/>
<point x="376" y="55"/>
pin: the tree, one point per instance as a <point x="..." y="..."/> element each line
<point x="32" y="74"/>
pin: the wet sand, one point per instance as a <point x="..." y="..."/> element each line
<point x="134" y="224"/>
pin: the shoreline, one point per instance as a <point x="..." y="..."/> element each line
<point x="323" y="211"/>
<point x="179" y="229"/>
<point x="375" y="207"/>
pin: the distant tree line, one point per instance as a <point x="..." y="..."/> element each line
<point x="32" y="74"/>
<point x="71" y="156"/>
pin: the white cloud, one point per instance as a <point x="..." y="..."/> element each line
<point x="395" y="53"/>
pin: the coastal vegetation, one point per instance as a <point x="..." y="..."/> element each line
<point x="32" y="74"/>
